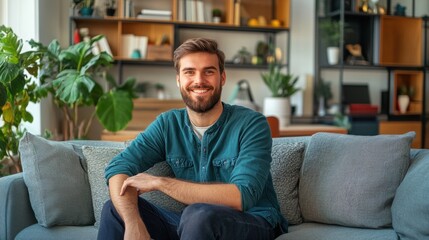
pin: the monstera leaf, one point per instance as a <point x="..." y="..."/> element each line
<point x="114" y="110"/>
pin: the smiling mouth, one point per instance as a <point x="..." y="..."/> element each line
<point x="200" y="89"/>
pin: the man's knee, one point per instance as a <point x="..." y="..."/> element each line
<point x="201" y="211"/>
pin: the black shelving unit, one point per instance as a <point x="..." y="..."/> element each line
<point x="363" y="25"/>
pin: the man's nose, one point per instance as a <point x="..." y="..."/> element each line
<point x="199" y="77"/>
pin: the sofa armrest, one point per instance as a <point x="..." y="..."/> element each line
<point x="15" y="208"/>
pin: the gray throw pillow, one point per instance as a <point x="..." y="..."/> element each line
<point x="97" y="159"/>
<point x="57" y="182"/>
<point x="410" y="209"/>
<point x="285" y="168"/>
<point x="351" y="180"/>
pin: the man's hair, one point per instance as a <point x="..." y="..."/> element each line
<point x="195" y="45"/>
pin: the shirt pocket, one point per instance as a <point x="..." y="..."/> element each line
<point x="223" y="168"/>
<point x="182" y="167"/>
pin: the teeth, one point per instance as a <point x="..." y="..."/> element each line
<point x="200" y="91"/>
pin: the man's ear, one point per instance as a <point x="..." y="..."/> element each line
<point x="178" y="80"/>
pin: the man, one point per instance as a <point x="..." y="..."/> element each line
<point x="220" y="155"/>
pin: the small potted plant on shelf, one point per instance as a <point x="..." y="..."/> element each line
<point x="110" y="7"/>
<point x="330" y="33"/>
<point x="87" y="8"/>
<point x="282" y="87"/>
<point x="216" y="15"/>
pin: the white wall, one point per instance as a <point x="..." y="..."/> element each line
<point x="38" y="20"/>
<point x="3" y="12"/>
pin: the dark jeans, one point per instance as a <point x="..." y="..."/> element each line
<point x="197" y="221"/>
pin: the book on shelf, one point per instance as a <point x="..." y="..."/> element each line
<point x="156" y="12"/>
<point x="129" y="8"/>
<point x="193" y="11"/>
<point x="103" y="45"/>
<point x="131" y="42"/>
<point x="154" y="17"/>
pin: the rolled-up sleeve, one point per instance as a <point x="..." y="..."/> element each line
<point x="144" y="152"/>
<point x="253" y="164"/>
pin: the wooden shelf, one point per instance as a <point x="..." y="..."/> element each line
<point x="147" y="109"/>
<point x="410" y="79"/>
<point x="400" y="41"/>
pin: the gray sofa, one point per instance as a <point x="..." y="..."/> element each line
<point x="330" y="186"/>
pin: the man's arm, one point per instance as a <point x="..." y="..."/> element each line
<point x="186" y="192"/>
<point x="126" y="205"/>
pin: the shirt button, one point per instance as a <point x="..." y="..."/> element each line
<point x="204" y="150"/>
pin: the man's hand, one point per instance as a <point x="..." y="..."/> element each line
<point x="184" y="191"/>
<point x="143" y="182"/>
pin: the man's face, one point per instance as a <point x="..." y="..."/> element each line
<point x="200" y="81"/>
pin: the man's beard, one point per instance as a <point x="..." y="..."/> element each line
<point x="200" y="105"/>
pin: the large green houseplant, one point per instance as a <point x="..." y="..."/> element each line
<point x="17" y="90"/>
<point x="282" y="87"/>
<point x="73" y="76"/>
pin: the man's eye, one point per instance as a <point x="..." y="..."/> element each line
<point x="189" y="72"/>
<point x="209" y="72"/>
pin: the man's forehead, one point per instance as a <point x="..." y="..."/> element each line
<point x="200" y="61"/>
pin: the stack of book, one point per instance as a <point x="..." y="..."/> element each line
<point x="154" y="14"/>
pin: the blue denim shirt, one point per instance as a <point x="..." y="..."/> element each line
<point x="236" y="149"/>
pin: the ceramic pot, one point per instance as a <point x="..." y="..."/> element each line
<point x="333" y="55"/>
<point x="278" y="107"/>
<point x="403" y="102"/>
<point x="86" y="11"/>
<point x="110" y="11"/>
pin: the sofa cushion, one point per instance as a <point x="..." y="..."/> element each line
<point x="317" y="231"/>
<point x="410" y="209"/>
<point x="97" y="160"/>
<point x="57" y="182"/>
<point x="285" y="167"/>
<point x="37" y="232"/>
<point x="351" y="180"/>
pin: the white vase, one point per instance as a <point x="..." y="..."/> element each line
<point x="333" y="55"/>
<point x="278" y="107"/>
<point x="321" y="111"/>
<point x="403" y="101"/>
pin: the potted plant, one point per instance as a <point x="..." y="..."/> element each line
<point x="17" y="90"/>
<point x="160" y="90"/>
<point x="323" y="94"/>
<point x="282" y="87"/>
<point x="73" y="77"/>
<point x="216" y="15"/>
<point x="87" y="8"/>
<point x="330" y="33"/>
<point x="110" y="7"/>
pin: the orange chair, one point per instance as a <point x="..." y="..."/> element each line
<point x="274" y="126"/>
